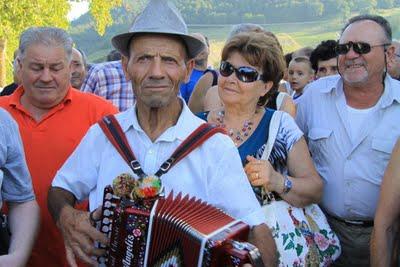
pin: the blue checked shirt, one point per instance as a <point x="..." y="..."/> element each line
<point x="108" y="81"/>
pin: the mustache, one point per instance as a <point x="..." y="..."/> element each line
<point x="156" y="83"/>
<point x="44" y="85"/>
<point x="349" y="63"/>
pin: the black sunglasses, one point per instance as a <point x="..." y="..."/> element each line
<point x="358" y="47"/>
<point x="244" y="74"/>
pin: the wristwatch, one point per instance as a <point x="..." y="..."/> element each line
<point x="287" y="184"/>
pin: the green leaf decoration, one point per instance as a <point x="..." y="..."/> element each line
<point x="299" y="249"/>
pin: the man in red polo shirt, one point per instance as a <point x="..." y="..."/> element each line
<point x="52" y="118"/>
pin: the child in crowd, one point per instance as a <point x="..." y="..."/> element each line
<point x="300" y="73"/>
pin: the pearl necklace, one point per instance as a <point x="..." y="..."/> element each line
<point x="238" y="136"/>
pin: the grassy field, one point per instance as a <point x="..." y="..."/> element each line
<point x="292" y="36"/>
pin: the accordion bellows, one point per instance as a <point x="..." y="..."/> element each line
<point x="173" y="231"/>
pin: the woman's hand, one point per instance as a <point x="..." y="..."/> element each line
<point x="261" y="173"/>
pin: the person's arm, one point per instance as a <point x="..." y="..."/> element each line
<point x="289" y="106"/>
<point x="75" y="226"/>
<point x="212" y="100"/>
<point x="387" y="214"/>
<point x="306" y="183"/>
<point x="24" y="224"/>
<point x="261" y="237"/>
<point x="282" y="88"/>
<point x="196" y="101"/>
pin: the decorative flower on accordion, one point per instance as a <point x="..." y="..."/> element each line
<point x="136" y="232"/>
<point x="147" y="187"/>
<point x="123" y="185"/>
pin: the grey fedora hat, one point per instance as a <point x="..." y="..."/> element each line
<point x="159" y="17"/>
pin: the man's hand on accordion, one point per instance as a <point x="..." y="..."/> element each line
<point x="80" y="235"/>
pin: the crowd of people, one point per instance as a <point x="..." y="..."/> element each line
<point x="336" y="138"/>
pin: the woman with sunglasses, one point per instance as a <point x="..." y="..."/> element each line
<point x="252" y="65"/>
<point x="276" y="98"/>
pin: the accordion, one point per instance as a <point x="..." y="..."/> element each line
<point x="172" y="231"/>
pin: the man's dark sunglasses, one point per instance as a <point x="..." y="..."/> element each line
<point x="244" y="74"/>
<point x="358" y="47"/>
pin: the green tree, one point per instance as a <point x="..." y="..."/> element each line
<point x="337" y="8"/>
<point x="17" y="15"/>
<point x="364" y="6"/>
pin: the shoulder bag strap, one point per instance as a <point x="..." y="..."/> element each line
<point x="279" y="99"/>
<point x="272" y="133"/>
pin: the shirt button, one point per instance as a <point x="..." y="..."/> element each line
<point x="150" y="151"/>
<point x="349" y="158"/>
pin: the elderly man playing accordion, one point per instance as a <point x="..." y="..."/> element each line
<point x="157" y="56"/>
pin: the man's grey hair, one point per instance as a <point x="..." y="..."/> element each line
<point x="48" y="36"/>
<point x="381" y="21"/>
<point x="245" y="27"/>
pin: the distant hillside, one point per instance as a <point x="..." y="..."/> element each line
<point x="291" y="35"/>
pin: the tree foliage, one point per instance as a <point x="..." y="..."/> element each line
<point x="17" y="15"/>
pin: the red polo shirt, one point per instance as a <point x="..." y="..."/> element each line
<point x="47" y="144"/>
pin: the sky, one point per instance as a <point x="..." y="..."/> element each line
<point x="77" y="9"/>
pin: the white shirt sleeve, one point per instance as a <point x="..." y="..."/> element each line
<point x="231" y="190"/>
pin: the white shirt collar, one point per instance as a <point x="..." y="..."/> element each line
<point x="390" y="94"/>
<point x="186" y="124"/>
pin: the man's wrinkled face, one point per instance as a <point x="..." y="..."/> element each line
<point x="45" y="74"/>
<point x="156" y="66"/>
<point x="78" y="69"/>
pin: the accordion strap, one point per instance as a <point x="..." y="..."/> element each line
<point x="112" y="129"/>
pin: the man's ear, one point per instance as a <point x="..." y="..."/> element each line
<point x="124" y="62"/>
<point x="189" y="68"/>
<point x="390" y="56"/>
<point x="19" y="64"/>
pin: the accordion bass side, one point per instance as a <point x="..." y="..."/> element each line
<point x="173" y="231"/>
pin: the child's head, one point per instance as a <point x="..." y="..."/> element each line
<point x="300" y="73"/>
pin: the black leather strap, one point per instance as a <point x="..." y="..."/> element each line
<point x="114" y="133"/>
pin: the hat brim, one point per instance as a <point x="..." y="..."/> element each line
<point x="122" y="42"/>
